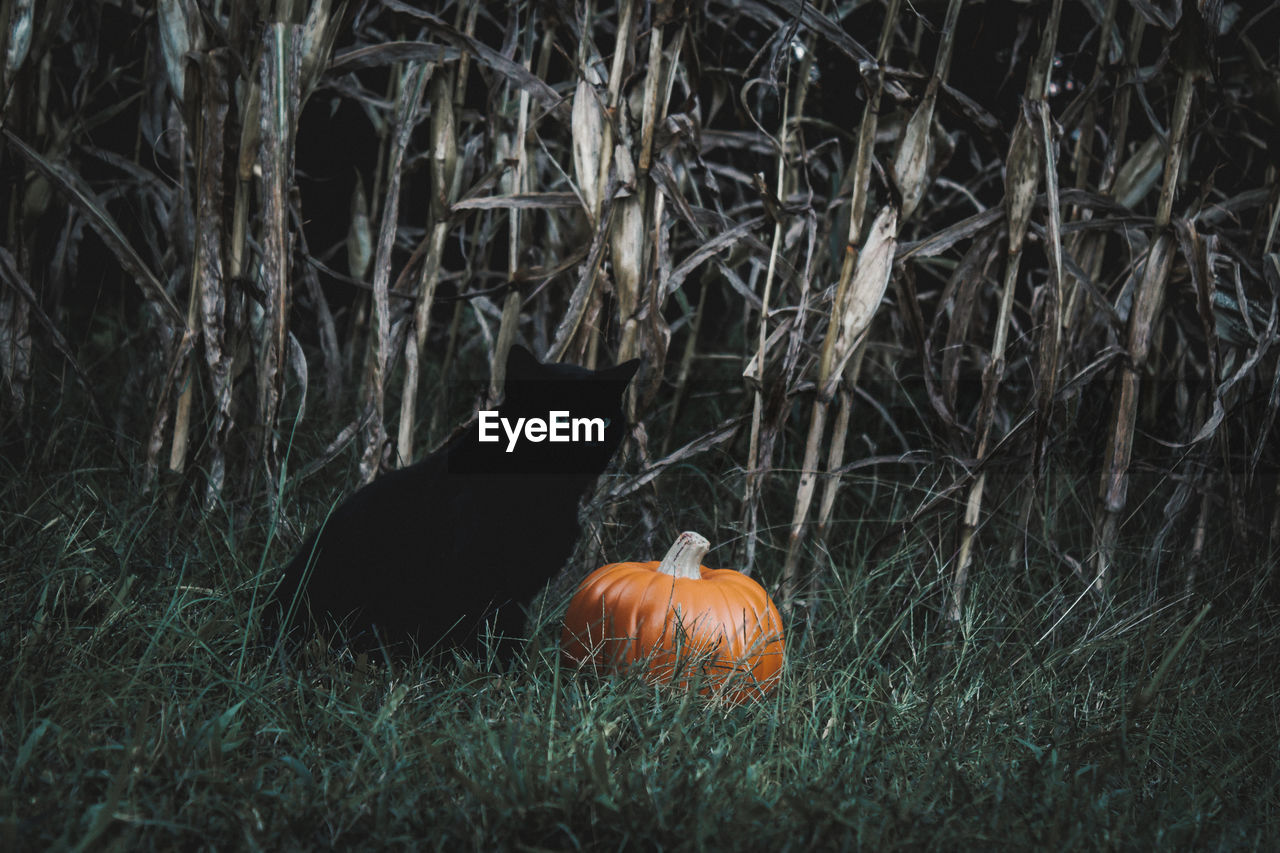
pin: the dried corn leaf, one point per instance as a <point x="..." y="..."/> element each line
<point x="319" y="32"/>
<point x="939" y="242"/>
<point x="911" y="168"/>
<point x="15" y="340"/>
<point x="359" y="233"/>
<point x="17" y="40"/>
<point x="1022" y="175"/>
<point x="520" y="201"/>
<point x="1138" y="176"/>
<point x="413" y="84"/>
<point x="588" y="138"/>
<point x="181" y="32"/>
<point x="1050" y="343"/>
<point x="819" y="23"/>
<point x="866" y="291"/>
<point x="627" y="250"/>
<point x="444" y="147"/>
<point x="718" y="436"/>
<point x="579" y="300"/>
<point x="522" y="77"/>
<point x="390" y="53"/>
<point x="722" y="241"/>
<point x="104" y="225"/>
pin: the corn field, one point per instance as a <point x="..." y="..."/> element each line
<point x="1014" y="264"/>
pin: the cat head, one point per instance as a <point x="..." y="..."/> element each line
<point x="555" y="418"/>
<point x="526" y="376"/>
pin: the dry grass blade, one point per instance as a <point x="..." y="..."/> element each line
<point x="1022" y="180"/>
<point x="579" y="301"/>
<point x="298" y="364"/>
<point x="1138" y="175"/>
<point x="939" y="242"/>
<point x="815" y="20"/>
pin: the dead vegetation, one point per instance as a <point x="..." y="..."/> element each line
<point x="1015" y="249"/>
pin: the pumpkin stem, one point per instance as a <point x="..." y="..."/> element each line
<point x="684" y="560"/>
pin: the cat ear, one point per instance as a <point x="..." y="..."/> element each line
<point x="622" y="373"/>
<point x="521" y="363"/>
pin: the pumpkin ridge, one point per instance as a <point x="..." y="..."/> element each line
<point x="642" y="627"/>
<point x="618" y="625"/>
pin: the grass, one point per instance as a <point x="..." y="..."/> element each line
<point x="140" y="713"/>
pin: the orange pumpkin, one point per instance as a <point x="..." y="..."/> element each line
<point x="678" y="621"/>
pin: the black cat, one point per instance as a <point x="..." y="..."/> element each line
<point x="433" y="555"/>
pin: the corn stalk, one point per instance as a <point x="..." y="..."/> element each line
<point x="207" y="273"/>
<point x="444" y="191"/>
<point x="853" y="307"/>
<point x="518" y="232"/>
<point x="279" y="78"/>
<point x="412" y="84"/>
<point x="769" y="396"/>
<point x="1022" y="177"/>
<point x="1142" y="324"/>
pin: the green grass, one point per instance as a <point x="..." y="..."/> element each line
<point x="140" y="712"/>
